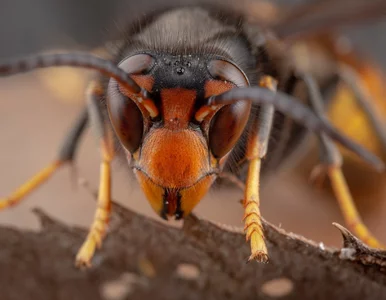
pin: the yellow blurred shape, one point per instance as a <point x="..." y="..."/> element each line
<point x="346" y="114"/>
<point x="67" y="84"/>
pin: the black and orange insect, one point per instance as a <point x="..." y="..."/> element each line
<point x="191" y="86"/>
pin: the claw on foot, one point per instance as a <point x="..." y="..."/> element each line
<point x="259" y="256"/>
<point x="85" y="254"/>
<point x="259" y="250"/>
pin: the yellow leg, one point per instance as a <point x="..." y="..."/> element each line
<point x="30" y="185"/>
<point x="256" y="150"/>
<point x="252" y="219"/>
<point x="102" y="214"/>
<point x="347" y="206"/>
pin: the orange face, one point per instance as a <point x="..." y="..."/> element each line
<point x="174" y="166"/>
<point x="173" y="160"/>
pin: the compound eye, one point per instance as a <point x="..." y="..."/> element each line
<point x="125" y="115"/>
<point x="138" y="64"/>
<point x="227" y="71"/>
<point x="229" y="122"/>
<point x="226" y="127"/>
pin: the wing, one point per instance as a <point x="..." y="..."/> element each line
<point x="324" y="15"/>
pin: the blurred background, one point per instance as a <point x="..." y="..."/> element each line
<point x="38" y="108"/>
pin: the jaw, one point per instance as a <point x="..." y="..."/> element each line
<point x="174" y="169"/>
<point x="174" y="201"/>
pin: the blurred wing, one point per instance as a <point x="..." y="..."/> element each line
<point x="324" y="15"/>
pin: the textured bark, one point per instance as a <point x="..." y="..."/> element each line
<point x="143" y="259"/>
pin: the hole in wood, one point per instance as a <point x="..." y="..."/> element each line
<point x="188" y="271"/>
<point x="278" y="287"/>
<point x="122" y="287"/>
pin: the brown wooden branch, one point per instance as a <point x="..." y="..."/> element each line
<point x="143" y="259"/>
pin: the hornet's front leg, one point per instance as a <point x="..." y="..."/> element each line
<point x="102" y="214"/>
<point x="256" y="150"/>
